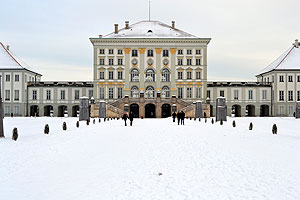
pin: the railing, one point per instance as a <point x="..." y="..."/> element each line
<point x="115" y="110"/>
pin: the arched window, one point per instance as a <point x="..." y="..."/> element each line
<point x="150" y="75"/>
<point x="150" y="92"/>
<point x="165" y="75"/>
<point x="134" y="75"/>
<point x="134" y="92"/>
<point x="165" y="91"/>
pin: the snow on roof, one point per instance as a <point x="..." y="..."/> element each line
<point x="289" y="60"/>
<point x="9" y="61"/>
<point x="149" y="29"/>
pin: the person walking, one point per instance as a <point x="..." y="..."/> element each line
<point x="174" y="116"/>
<point x="131" y="118"/>
<point x="125" y="117"/>
<point x="178" y="117"/>
<point x="182" y="116"/>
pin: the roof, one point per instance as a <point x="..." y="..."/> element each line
<point x="9" y="61"/>
<point x="149" y="29"/>
<point x="289" y="60"/>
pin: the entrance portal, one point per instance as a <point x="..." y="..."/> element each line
<point x="134" y="109"/>
<point x="165" y="110"/>
<point x="150" y="111"/>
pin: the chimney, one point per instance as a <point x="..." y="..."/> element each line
<point x="100" y="36"/>
<point x="7" y="47"/>
<point x="173" y="24"/>
<point x="296" y="43"/>
<point x="116" y="29"/>
<point x="126" y="24"/>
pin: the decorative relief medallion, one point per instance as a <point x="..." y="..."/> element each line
<point x="165" y="61"/>
<point x="150" y="62"/>
<point x="134" y="62"/>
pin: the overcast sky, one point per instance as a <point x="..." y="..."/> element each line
<point x="53" y="36"/>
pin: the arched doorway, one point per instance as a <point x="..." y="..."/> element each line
<point x="135" y="110"/>
<point x="264" y="110"/>
<point x="150" y="111"/>
<point x="250" y="110"/>
<point x="165" y="110"/>
<point x="236" y="110"/>
<point x="75" y="111"/>
<point x="62" y="110"/>
<point x="34" y="110"/>
<point x="47" y="110"/>
<point x="211" y="110"/>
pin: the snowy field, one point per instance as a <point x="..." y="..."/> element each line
<point x="109" y="161"/>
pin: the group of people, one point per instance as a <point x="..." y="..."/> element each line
<point x="130" y="117"/>
<point x="180" y="117"/>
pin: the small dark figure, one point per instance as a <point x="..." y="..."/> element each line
<point x="107" y="119"/>
<point x="12" y="114"/>
<point x="99" y="120"/>
<point x="104" y="119"/>
<point x="160" y="174"/>
<point x="199" y="119"/>
<point x="46" y="129"/>
<point x="221" y="122"/>
<point x="15" y="134"/>
<point x="274" y="129"/>
<point x="64" y="126"/>
<point x="77" y="124"/>
<point x="94" y="121"/>
<point x="205" y="120"/>
<point x="117" y="118"/>
<point x="178" y="117"/>
<point x="174" y="116"/>
<point x="88" y="122"/>
<point x="125" y="117"/>
<point x="233" y="123"/>
<point x="182" y="117"/>
<point x="294" y="114"/>
<point x="131" y="118"/>
<point x="194" y="118"/>
<point x="190" y="118"/>
<point x="250" y="126"/>
<point x="212" y="120"/>
<point x="205" y="115"/>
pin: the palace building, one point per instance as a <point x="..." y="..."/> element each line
<point x="150" y="69"/>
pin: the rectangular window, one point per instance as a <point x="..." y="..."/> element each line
<point x="110" y="75"/>
<point x="17" y="95"/>
<point x="221" y="93"/>
<point x="298" y="95"/>
<point x="165" y="53"/>
<point x="198" y="51"/>
<point x="101" y="51"/>
<point x="16" y="110"/>
<point x="180" y="93"/>
<point x="111" y="61"/>
<point x="298" y="78"/>
<point x="281" y="79"/>
<point x="120" y="51"/>
<point x="180" y="52"/>
<point x="198" y="93"/>
<point x="110" y="93"/>
<point x="62" y="95"/>
<point x="291" y="110"/>
<point x="7" y="110"/>
<point x="281" y="110"/>
<point x="290" y="94"/>
<point x="290" y="79"/>
<point x="76" y="94"/>
<point x="101" y="92"/>
<point x="7" y="95"/>
<point x="188" y="92"/>
<point x="236" y="94"/>
<point x="120" y="75"/>
<point x="134" y="53"/>
<point x="91" y="94"/>
<point x="101" y="61"/>
<point x="7" y="78"/>
<point x="198" y="75"/>
<point x="101" y="75"/>
<point x="179" y="61"/>
<point x="264" y="94"/>
<point x="189" y="52"/>
<point x="180" y="75"/>
<point x="272" y="79"/>
<point x="17" y="78"/>
<point x="34" y="94"/>
<point x="120" y="93"/>
<point x="189" y="75"/>
<point x="189" y="61"/>
<point x="110" y="51"/>
<point x="281" y="95"/>
<point x="48" y="94"/>
<point x="208" y="93"/>
<point x="250" y="94"/>
<point x="150" y="53"/>
<point x="198" y="61"/>
<point x="120" y="61"/>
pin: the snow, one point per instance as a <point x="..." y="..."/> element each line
<point x="109" y="161"/>
<point x="150" y="29"/>
<point x="289" y="60"/>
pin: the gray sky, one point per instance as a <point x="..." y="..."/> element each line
<point x="53" y="36"/>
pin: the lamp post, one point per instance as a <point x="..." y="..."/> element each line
<point x="1" y="113"/>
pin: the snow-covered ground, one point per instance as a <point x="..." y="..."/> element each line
<point x="109" y="161"/>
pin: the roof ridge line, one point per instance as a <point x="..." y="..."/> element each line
<point x="11" y="55"/>
<point x="284" y="57"/>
